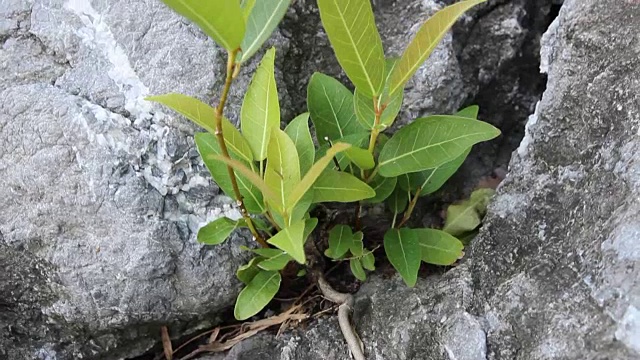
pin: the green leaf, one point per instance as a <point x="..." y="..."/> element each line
<point x="312" y="175"/>
<point x="398" y="200"/>
<point x="298" y="131"/>
<point x="217" y="231"/>
<point x="429" y="35"/>
<point x="404" y="253"/>
<point x="247" y="6"/>
<point x="221" y="20"/>
<point x="309" y="225"/>
<point x="189" y="107"/>
<point x="301" y="273"/>
<point x="260" y="111"/>
<point x="469" y="112"/>
<point x="362" y="158"/>
<point x="290" y="240"/>
<point x="204" y="116"/>
<point x="247" y="272"/>
<point x="467" y="216"/>
<point x="257" y="294"/>
<point x="208" y="147"/>
<point x="357" y="270"/>
<point x="331" y="107"/>
<point x="430" y="142"/>
<point x="340" y="240"/>
<point x="251" y="176"/>
<point x="352" y="31"/>
<point x="276" y="262"/>
<point x="368" y="261"/>
<point x="359" y="140"/>
<point x="340" y="186"/>
<point x="365" y="109"/>
<point x="283" y="166"/>
<point x="431" y="180"/>
<point x="383" y="186"/>
<point x="357" y="247"/>
<point x="263" y="19"/>
<point x="438" y="247"/>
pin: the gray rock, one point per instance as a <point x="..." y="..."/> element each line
<point x="101" y="192"/>
<point x="554" y="273"/>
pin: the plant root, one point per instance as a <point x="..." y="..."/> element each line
<point x="345" y="302"/>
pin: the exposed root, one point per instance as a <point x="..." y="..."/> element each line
<point x="345" y="302"/>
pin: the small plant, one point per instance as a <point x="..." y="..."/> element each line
<point x="278" y="176"/>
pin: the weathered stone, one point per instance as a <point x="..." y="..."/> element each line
<point x="554" y="273"/>
<point x="102" y="191"/>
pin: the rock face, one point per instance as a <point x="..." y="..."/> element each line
<point x="555" y="272"/>
<point x="101" y="193"/>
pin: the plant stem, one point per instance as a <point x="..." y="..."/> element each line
<point x="232" y="71"/>
<point x="412" y="205"/>
<point x="375" y="131"/>
<point x="357" y="215"/>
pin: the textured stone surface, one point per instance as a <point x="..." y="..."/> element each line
<point x="555" y="272"/>
<point x="101" y="192"/>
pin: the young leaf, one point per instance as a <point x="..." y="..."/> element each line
<point x="290" y="240"/>
<point x="298" y="131"/>
<point x="430" y="142"/>
<point x="283" y="166"/>
<point x="247" y="272"/>
<point x="340" y="240"/>
<point x="221" y="20"/>
<point x="208" y="147"/>
<point x="404" y="253"/>
<point x="429" y="35"/>
<point x="257" y="294"/>
<point x="260" y="111"/>
<point x="467" y="216"/>
<point x="357" y="247"/>
<point x="438" y="247"/>
<point x="352" y="31"/>
<point x="340" y="186"/>
<point x="331" y="107"/>
<point x="313" y="174"/>
<point x="362" y="158"/>
<point x="398" y="200"/>
<point x="216" y="231"/>
<point x="383" y="186"/>
<point x="263" y="19"/>
<point x="251" y="176"/>
<point x="431" y="180"/>
<point x="357" y="270"/>
<point x="368" y="261"/>
<point x="276" y="262"/>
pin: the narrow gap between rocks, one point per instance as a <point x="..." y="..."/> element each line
<point x="506" y="99"/>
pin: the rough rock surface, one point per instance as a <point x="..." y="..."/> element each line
<point x="101" y="192"/>
<point x="555" y="272"/>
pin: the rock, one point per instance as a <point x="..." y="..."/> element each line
<point x="554" y="273"/>
<point x="101" y="192"/>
